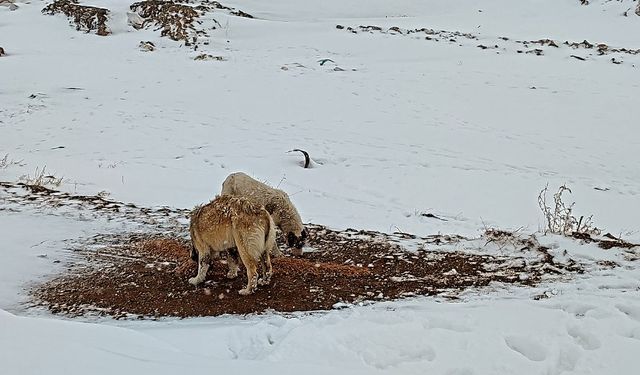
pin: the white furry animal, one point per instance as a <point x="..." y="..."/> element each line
<point x="233" y="222"/>
<point x="277" y="203"/>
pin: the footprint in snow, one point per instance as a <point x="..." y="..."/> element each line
<point x="586" y="340"/>
<point x="527" y="347"/>
<point x="632" y="312"/>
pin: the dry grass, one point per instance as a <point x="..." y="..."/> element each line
<point x="560" y="218"/>
<point x="86" y="18"/>
<point x="6" y="163"/>
<point x="40" y="178"/>
<point x="175" y="20"/>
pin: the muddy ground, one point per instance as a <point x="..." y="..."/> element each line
<point x="135" y="275"/>
<point x="143" y="273"/>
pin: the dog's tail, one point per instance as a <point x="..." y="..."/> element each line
<point x="270" y="237"/>
<point x="195" y="254"/>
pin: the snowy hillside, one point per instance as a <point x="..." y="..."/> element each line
<point x="425" y="117"/>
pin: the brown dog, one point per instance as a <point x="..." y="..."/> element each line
<point x="233" y="222"/>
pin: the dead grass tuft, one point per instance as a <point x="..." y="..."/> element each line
<point x="85" y="18"/>
<point x="40" y="178"/>
<point x="175" y="20"/>
<point x="560" y="218"/>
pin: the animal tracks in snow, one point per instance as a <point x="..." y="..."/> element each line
<point x="527" y="347"/>
<point x="633" y="312"/>
<point x="586" y="340"/>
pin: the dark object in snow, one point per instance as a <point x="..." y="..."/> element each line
<point x="429" y="215"/>
<point x="323" y="61"/>
<point x="2" y="53"/>
<point x="240" y="13"/>
<point x="578" y="57"/>
<point x="606" y="242"/>
<point x="307" y="159"/>
<point x="147" y="46"/>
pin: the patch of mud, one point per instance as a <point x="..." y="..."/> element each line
<point x="137" y="275"/>
<point x="85" y="18"/>
<point x="143" y="274"/>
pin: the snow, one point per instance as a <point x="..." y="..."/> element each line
<point x="410" y="126"/>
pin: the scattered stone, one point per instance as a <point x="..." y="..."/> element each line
<point x="240" y="13"/>
<point x="208" y="57"/>
<point x="536" y="51"/>
<point x="134" y="20"/>
<point x="9" y="3"/>
<point x="147" y="46"/>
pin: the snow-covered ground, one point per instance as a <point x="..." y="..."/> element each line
<point x="403" y="126"/>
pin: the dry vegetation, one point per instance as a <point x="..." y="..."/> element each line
<point x="41" y="178"/>
<point x="183" y="21"/>
<point x="175" y="20"/>
<point x="85" y="18"/>
<point x="560" y="218"/>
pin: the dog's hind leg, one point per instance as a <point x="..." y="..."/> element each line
<point x="203" y="267"/>
<point x="232" y="262"/>
<point x="265" y="269"/>
<point x="251" y="267"/>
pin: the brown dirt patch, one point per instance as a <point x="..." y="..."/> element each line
<point x="607" y="241"/>
<point x="136" y="275"/>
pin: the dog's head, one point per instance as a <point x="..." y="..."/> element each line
<point x="297" y="241"/>
<point x="194" y="254"/>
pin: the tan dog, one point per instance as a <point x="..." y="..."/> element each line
<point x="233" y="222"/>
<point x="277" y="202"/>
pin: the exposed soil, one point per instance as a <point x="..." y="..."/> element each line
<point x="144" y="274"/>
<point x="607" y="241"/>
<point x="133" y="275"/>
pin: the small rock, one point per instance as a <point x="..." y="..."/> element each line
<point x="134" y="20"/>
<point x="207" y="57"/>
<point x="452" y="272"/>
<point x="9" y="4"/>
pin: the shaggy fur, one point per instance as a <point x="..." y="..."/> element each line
<point x="277" y="202"/>
<point x="233" y="222"/>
